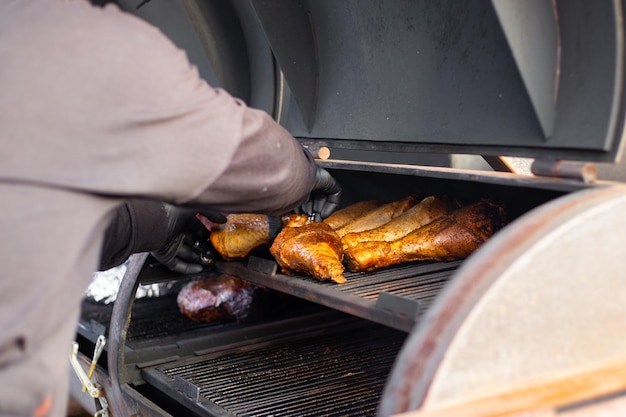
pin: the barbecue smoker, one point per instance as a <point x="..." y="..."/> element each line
<point x="534" y="320"/>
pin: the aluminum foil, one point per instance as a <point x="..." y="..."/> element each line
<point x="105" y="286"/>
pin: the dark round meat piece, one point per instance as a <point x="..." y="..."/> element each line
<point x="217" y="299"/>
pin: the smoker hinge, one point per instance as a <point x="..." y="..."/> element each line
<point x="580" y="171"/>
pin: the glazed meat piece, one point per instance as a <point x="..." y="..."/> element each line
<point x="378" y="216"/>
<point x="454" y="236"/>
<point x="295" y="220"/>
<point x="417" y="216"/>
<point x="313" y="249"/>
<point x="240" y="235"/>
<point x="244" y="233"/>
<point x="217" y="299"/>
<point x="345" y="215"/>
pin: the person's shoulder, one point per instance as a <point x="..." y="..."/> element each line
<point x="136" y="49"/>
<point x="145" y="44"/>
<point x="77" y="25"/>
<point x="111" y="25"/>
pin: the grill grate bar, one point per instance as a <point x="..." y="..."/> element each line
<point x="281" y="364"/>
<point x="340" y="371"/>
<point x="411" y="271"/>
<point x="330" y="391"/>
<point x="421" y="292"/>
<point x="405" y="286"/>
<point x="324" y="402"/>
<point x="307" y="380"/>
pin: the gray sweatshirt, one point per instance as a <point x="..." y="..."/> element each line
<point x="97" y="107"/>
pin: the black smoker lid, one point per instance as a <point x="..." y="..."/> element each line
<point x="537" y="78"/>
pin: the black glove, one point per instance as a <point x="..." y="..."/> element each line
<point x="187" y="249"/>
<point x="324" y="196"/>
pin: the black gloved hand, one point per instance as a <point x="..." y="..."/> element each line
<point x="324" y="196"/>
<point x="187" y="249"/>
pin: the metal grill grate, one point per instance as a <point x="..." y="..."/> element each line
<point x="395" y="296"/>
<point x="412" y="281"/>
<point x="340" y="372"/>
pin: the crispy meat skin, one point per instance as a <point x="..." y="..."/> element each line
<point x="217" y="299"/>
<point x="345" y="215"/>
<point x="313" y="249"/>
<point x="417" y="216"/>
<point x="295" y="220"/>
<point x="454" y="236"/>
<point x="240" y="235"/>
<point x="378" y="216"/>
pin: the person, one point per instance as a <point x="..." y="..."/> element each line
<point x="99" y="108"/>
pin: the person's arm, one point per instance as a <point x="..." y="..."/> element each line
<point x="136" y="226"/>
<point x="174" y="235"/>
<point x="161" y="132"/>
<point x="269" y="172"/>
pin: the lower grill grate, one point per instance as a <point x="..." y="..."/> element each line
<point x="339" y="371"/>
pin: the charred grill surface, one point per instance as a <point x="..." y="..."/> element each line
<point x="338" y="371"/>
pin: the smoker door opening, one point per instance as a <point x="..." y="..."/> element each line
<point x="399" y="295"/>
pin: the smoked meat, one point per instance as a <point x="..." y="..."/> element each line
<point x="451" y="237"/>
<point x="217" y="299"/>
<point x="417" y="216"/>
<point x="240" y="235"/>
<point x="378" y="216"/>
<point x="313" y="249"/>
<point x="345" y="215"/>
